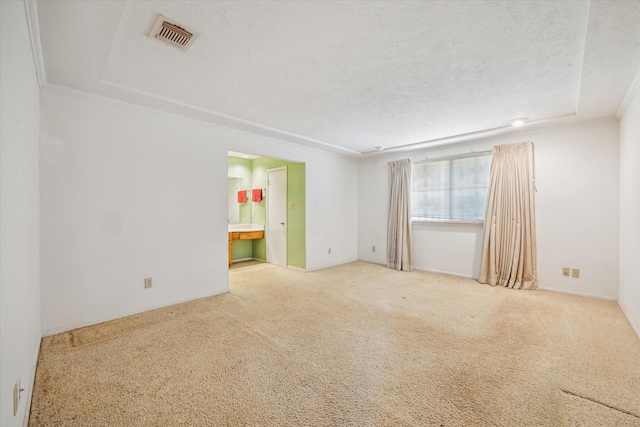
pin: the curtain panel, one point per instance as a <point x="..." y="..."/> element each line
<point x="399" y="218"/>
<point x="509" y="245"/>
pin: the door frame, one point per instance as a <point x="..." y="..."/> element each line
<point x="286" y="224"/>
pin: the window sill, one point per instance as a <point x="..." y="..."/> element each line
<point x="445" y="222"/>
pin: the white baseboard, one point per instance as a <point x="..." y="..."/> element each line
<point x="636" y="328"/>
<point x="248" y="259"/>
<point x="428" y="270"/>
<point x="465" y="276"/>
<point x="578" y="294"/>
<point x="261" y="260"/>
<point x="323" y="266"/>
<point x="61" y="329"/>
<point x="373" y="262"/>
<point x="32" y="383"/>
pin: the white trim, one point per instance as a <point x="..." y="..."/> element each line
<point x="242" y="259"/>
<point x="33" y="24"/>
<point x="61" y="329"/>
<point x="340" y="150"/>
<point x="559" y="291"/>
<point x="198" y="121"/>
<point x="577" y="294"/>
<point x="476" y="135"/>
<point x="466" y="276"/>
<point x="581" y="66"/>
<point x="635" y="328"/>
<point x="297" y="268"/>
<point x="561" y="122"/>
<point x="32" y="383"/>
<point x="323" y="266"/>
<point x="629" y="96"/>
<point x="428" y="270"/>
<point x="445" y="222"/>
<point x="454" y="156"/>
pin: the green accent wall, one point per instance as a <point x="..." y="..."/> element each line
<point x="296" y="213"/>
<point x="255" y="171"/>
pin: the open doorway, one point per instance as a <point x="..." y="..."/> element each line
<point x="252" y="202"/>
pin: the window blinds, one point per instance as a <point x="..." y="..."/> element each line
<point x="450" y="190"/>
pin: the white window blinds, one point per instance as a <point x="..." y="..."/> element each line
<point x="450" y="190"/>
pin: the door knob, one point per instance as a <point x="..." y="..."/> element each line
<point x="282" y="223"/>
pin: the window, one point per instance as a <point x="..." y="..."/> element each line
<point x="450" y="190"/>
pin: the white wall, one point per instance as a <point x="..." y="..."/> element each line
<point x="331" y="195"/>
<point x="576" y="210"/>
<point x="332" y="210"/>
<point x="129" y="192"/>
<point x="19" y="213"/>
<point x="629" y="294"/>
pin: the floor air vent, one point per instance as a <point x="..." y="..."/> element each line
<point x="172" y="34"/>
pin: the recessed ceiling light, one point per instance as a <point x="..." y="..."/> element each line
<point x="245" y="156"/>
<point x="518" y="122"/>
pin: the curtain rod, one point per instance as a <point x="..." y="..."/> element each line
<point x="455" y="156"/>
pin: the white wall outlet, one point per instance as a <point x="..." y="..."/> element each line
<point x="148" y="282"/>
<point x="575" y="273"/>
<point x="565" y="271"/>
<point x="329" y="251"/>
<point x="373" y="248"/>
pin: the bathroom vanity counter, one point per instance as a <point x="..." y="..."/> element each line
<point x="244" y="232"/>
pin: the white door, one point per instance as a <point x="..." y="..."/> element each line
<point x="277" y="216"/>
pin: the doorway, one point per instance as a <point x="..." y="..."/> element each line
<point x="276" y="229"/>
<point x="251" y="171"/>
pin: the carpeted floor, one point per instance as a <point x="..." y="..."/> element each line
<point x="354" y="345"/>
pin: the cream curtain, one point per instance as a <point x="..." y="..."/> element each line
<point x="399" y="219"/>
<point x="509" y="245"/>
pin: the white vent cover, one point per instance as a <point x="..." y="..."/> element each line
<point x="172" y="34"/>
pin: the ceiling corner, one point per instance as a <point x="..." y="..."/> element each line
<point x="31" y="11"/>
<point x="629" y="96"/>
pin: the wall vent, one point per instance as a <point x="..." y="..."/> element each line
<point x="172" y="34"/>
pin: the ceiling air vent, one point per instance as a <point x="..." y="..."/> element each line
<point x="172" y="34"/>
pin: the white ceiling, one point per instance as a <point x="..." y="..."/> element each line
<point x="350" y="76"/>
<point x="242" y="155"/>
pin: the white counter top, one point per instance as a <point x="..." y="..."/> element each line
<point x="245" y="227"/>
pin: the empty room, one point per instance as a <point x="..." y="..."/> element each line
<point x="319" y="213"/>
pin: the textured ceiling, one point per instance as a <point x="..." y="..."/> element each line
<point x="350" y="76"/>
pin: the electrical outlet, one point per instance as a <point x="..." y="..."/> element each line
<point x="16" y="397"/>
<point x="575" y="273"/>
<point x="290" y="205"/>
<point x="148" y="282"/>
<point x="373" y="248"/>
<point x="565" y="271"/>
<point x="329" y="251"/>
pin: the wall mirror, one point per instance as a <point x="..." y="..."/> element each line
<point x="232" y="203"/>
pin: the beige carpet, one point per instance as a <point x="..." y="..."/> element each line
<point x="354" y="345"/>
